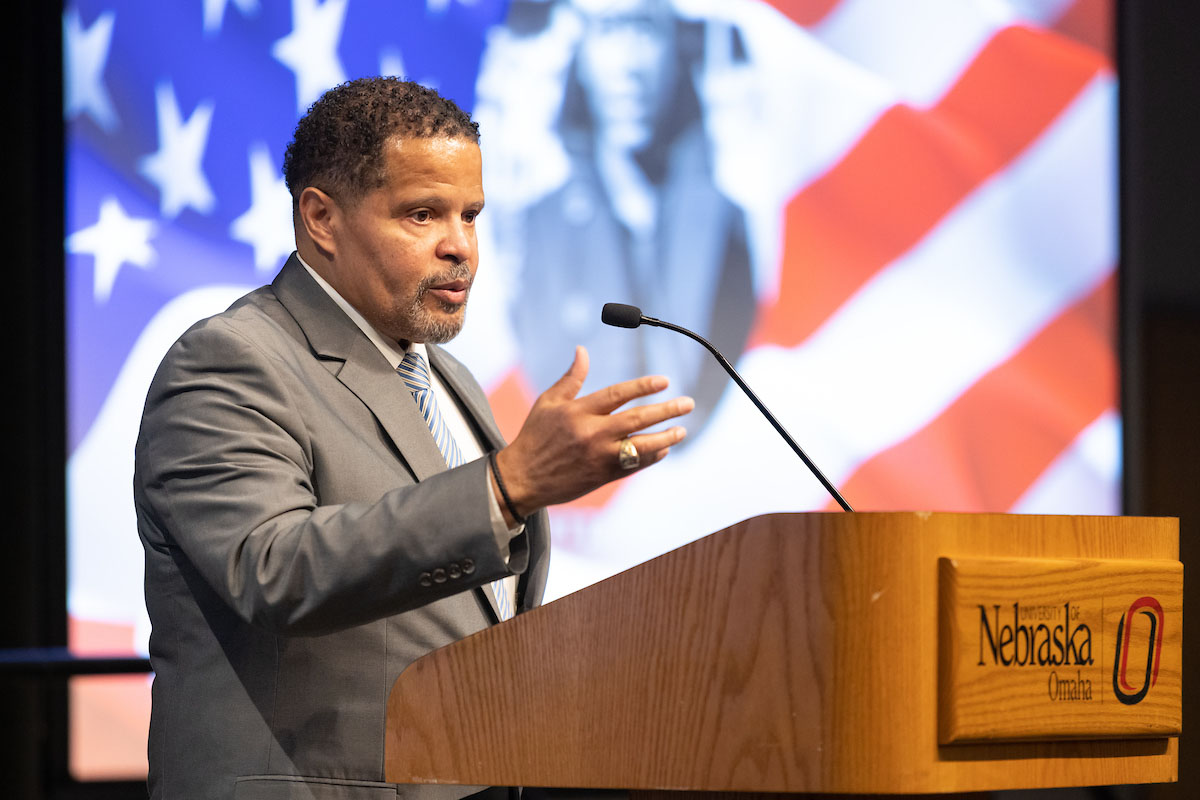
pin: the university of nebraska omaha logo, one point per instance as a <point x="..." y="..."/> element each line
<point x="1122" y="688"/>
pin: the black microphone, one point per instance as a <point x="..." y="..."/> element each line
<point x="623" y="316"/>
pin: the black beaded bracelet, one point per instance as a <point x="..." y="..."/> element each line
<point x="512" y="509"/>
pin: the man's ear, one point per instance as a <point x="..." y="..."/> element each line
<point x="317" y="214"/>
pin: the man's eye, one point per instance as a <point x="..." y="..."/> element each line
<point x="422" y="216"/>
<point x="470" y="216"/>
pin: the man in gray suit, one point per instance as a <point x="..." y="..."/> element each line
<point x="305" y="540"/>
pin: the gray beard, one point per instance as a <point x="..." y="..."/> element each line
<point x="425" y="326"/>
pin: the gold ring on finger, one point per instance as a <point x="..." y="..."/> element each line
<point x="627" y="456"/>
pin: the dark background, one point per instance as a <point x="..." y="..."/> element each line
<point x="1159" y="69"/>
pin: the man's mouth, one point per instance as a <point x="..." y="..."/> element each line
<point x="452" y="292"/>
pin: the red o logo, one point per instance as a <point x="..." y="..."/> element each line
<point x="1125" y="692"/>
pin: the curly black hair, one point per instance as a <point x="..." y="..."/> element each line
<point x="338" y="144"/>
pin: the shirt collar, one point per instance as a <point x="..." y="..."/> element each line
<point x="391" y="350"/>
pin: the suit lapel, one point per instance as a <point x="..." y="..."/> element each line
<point x="370" y="377"/>
<point x="359" y="365"/>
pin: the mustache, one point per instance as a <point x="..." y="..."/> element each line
<point x="459" y="272"/>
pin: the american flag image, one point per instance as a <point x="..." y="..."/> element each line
<point x="918" y="201"/>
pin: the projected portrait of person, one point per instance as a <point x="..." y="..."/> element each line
<point x="638" y="219"/>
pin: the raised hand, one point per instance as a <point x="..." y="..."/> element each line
<point x="570" y="445"/>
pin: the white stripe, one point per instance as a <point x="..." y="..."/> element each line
<point x="920" y="47"/>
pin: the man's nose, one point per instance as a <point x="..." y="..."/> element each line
<point x="458" y="241"/>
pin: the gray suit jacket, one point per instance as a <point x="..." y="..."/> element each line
<point x="304" y="544"/>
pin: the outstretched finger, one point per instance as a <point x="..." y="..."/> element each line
<point x="637" y="418"/>
<point x="610" y="398"/>
<point x="649" y="445"/>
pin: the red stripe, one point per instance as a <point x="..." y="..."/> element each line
<point x="1090" y="22"/>
<point x="912" y="167"/>
<point x="110" y="715"/>
<point x="805" y="12"/>
<point x="92" y="637"/>
<point x="993" y="442"/>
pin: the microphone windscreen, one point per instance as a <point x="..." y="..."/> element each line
<point x="621" y="315"/>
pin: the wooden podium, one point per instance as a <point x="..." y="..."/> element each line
<point x="897" y="653"/>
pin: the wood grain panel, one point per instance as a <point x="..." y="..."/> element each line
<point x="1060" y="648"/>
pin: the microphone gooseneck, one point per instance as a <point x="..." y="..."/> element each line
<point x="624" y="316"/>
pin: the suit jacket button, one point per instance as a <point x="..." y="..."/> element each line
<point x="454" y="571"/>
<point x="425" y="579"/>
<point x="439" y="575"/>
<point x="468" y="566"/>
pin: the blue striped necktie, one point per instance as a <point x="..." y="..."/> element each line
<point x="415" y="373"/>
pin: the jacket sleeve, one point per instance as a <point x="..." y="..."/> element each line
<point x="225" y="479"/>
